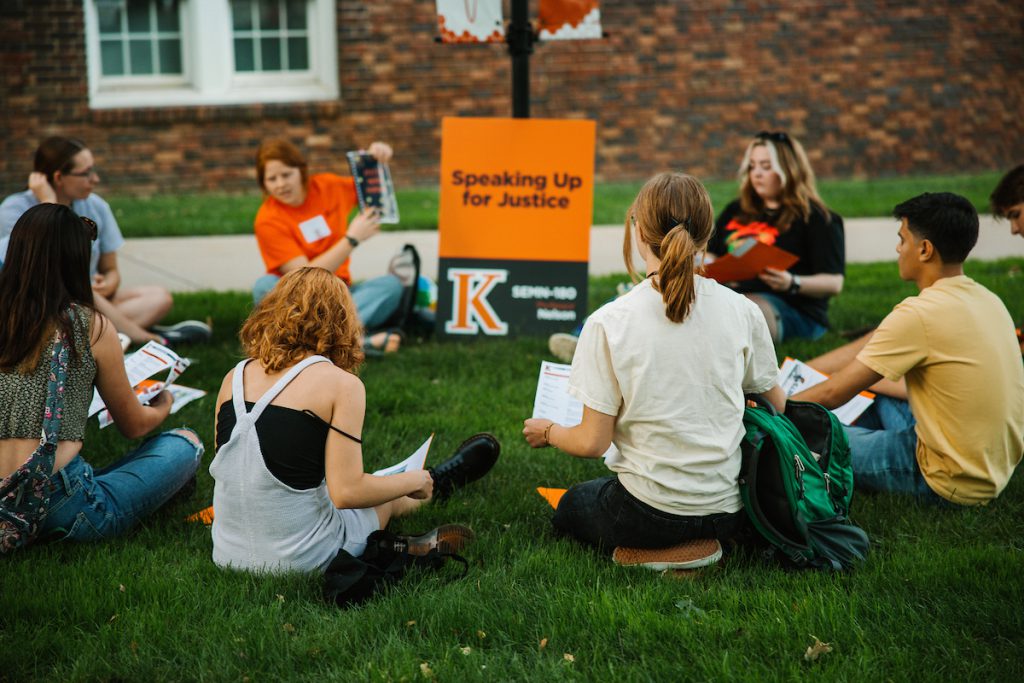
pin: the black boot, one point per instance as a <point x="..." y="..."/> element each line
<point x="473" y="459"/>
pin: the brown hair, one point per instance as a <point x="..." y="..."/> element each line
<point x="56" y="154"/>
<point x="799" y="188"/>
<point x="309" y="312"/>
<point x="1009" y="192"/>
<point x="47" y="271"/>
<point x="281" y="150"/>
<point x="674" y="218"/>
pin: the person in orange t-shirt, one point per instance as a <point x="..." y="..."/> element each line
<point x="303" y="221"/>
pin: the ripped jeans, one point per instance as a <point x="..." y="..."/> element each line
<point x="88" y="505"/>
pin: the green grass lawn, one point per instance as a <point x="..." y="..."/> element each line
<point x="939" y="598"/>
<point x="218" y="214"/>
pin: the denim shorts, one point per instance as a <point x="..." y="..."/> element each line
<point x="883" y="451"/>
<point x="89" y="505"/>
<point x="602" y="513"/>
<point x="793" y="324"/>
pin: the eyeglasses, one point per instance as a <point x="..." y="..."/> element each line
<point x="91" y="228"/>
<point x="89" y="172"/>
<point x="774" y="136"/>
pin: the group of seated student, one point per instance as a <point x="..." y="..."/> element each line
<point x="290" y="490"/>
<point x="64" y="172"/>
<point x="662" y="371"/>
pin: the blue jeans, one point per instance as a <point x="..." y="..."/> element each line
<point x="88" y="505"/>
<point x="602" y="513"/>
<point x="883" y="451"/>
<point x="376" y="299"/>
<point x="792" y="323"/>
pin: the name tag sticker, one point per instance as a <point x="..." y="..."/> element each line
<point x="315" y="229"/>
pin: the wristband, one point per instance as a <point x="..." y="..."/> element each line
<point x="352" y="240"/>
<point x="547" y="434"/>
<point x="794" y="285"/>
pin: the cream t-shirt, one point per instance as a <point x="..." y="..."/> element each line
<point x="955" y="344"/>
<point x="677" y="389"/>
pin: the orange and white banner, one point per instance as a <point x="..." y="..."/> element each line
<point x="569" y="20"/>
<point x="516" y="206"/>
<point x="470" y="21"/>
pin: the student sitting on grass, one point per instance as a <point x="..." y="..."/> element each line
<point x="44" y="289"/>
<point x="304" y="221"/>
<point x="779" y="204"/>
<point x="662" y="372"/>
<point x="65" y="173"/>
<point x="290" y="488"/>
<point x="960" y="432"/>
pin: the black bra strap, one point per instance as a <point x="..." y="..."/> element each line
<point x="309" y="412"/>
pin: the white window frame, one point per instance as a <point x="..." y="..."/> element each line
<point x="207" y="39"/>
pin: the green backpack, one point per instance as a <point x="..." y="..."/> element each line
<point x="796" y="483"/>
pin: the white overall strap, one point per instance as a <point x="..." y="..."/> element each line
<point x="238" y="390"/>
<point x="279" y="386"/>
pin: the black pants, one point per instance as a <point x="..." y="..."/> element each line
<point x="602" y="513"/>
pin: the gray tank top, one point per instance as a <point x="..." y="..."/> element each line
<point x="261" y="524"/>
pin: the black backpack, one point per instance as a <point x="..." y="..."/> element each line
<point x="797" y="484"/>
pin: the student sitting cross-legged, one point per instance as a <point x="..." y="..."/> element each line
<point x="290" y="489"/>
<point x="662" y="372"/>
<point x="960" y="432"/>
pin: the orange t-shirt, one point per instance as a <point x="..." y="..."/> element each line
<point x="285" y="232"/>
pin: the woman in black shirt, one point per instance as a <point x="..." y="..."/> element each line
<point x="779" y="205"/>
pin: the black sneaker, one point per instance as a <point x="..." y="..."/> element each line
<point x="185" y="332"/>
<point x="473" y="459"/>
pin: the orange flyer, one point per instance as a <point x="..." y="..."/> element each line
<point x="748" y="260"/>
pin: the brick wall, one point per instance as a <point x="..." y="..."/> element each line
<point x="871" y="88"/>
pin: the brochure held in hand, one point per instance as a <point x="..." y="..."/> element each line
<point x="373" y="185"/>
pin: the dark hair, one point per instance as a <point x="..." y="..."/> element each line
<point x="1009" y="192"/>
<point x="947" y="220"/>
<point x="56" y="154"/>
<point x="46" y="271"/>
<point x="675" y="220"/>
<point x="283" y="151"/>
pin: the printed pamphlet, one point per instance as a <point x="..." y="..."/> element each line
<point x="373" y="185"/>
<point x="747" y="260"/>
<point x="412" y="463"/>
<point x="795" y="376"/>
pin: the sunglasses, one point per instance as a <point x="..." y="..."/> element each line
<point x="774" y="136"/>
<point x="91" y="228"/>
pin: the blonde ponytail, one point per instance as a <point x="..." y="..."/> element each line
<point x="673" y="217"/>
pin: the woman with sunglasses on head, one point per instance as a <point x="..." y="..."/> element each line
<point x="46" y="295"/>
<point x="662" y="372"/>
<point x="64" y="172"/>
<point x="779" y="205"/>
<point x="304" y="221"/>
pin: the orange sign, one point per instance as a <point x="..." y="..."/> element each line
<point x="519" y="189"/>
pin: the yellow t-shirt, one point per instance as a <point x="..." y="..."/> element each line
<point x="955" y="344"/>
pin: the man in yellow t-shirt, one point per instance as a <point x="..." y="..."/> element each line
<point x="960" y="432"/>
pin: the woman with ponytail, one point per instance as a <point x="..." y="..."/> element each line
<point x="662" y="372"/>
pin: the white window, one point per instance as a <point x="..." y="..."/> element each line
<point x="155" y="53"/>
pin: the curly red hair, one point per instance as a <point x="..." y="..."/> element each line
<point x="309" y="312"/>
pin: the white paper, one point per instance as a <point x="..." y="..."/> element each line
<point x="151" y="359"/>
<point x="796" y="376"/>
<point x="412" y="463"/>
<point x="553" y="401"/>
<point x="182" y="396"/>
